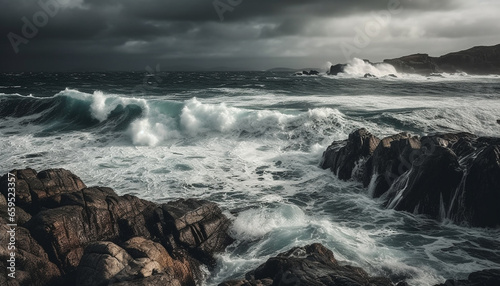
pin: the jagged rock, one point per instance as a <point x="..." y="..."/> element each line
<point x="199" y="226"/>
<point x="101" y="263"/>
<point x="89" y="215"/>
<point x="489" y="277"/>
<point x="392" y="157"/>
<point x="368" y="75"/>
<point x="336" y="69"/>
<point x="69" y="220"/>
<point x="312" y="265"/>
<point x="36" y="190"/>
<point x="342" y="157"/>
<point x="429" y="186"/>
<point x="139" y="262"/>
<point x="479" y="201"/>
<point x="32" y="264"/>
<point x="182" y="268"/>
<point x="451" y="175"/>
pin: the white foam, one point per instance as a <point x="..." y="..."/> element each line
<point x="255" y="223"/>
<point x="357" y="67"/>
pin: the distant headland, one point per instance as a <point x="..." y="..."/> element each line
<point x="480" y="60"/>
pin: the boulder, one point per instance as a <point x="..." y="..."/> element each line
<point x="36" y="190"/>
<point x="368" y="75"/>
<point x="199" y="226"/>
<point x="32" y="263"/>
<point x="336" y="69"/>
<point x="89" y="215"/>
<point x="312" y="265"/>
<point x="139" y="262"/>
<point x="159" y="243"/>
<point x="342" y="157"/>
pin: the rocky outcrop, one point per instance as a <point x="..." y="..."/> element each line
<point x="343" y="157"/>
<point x="313" y="265"/>
<point x="489" y="277"/>
<point x="336" y="69"/>
<point x="105" y="263"/>
<point x="455" y="176"/>
<point x="37" y="190"/>
<point x="477" y="60"/>
<point x="91" y="236"/>
<point x="310" y="72"/>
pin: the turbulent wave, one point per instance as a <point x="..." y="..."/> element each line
<point x="150" y="122"/>
<point x="358" y="68"/>
<point x="72" y="110"/>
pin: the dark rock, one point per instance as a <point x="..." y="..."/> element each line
<point x="336" y="69"/>
<point x="368" y="75"/>
<point x="199" y="226"/>
<point x="305" y="73"/>
<point x="140" y="262"/>
<point x="489" y="277"/>
<point x="89" y="215"/>
<point x="450" y="175"/>
<point x="313" y="72"/>
<point x="429" y="186"/>
<point x="163" y="244"/>
<point x="392" y="157"/>
<point x="498" y="121"/>
<point x="36" y="190"/>
<point x="477" y="60"/>
<point x="32" y="263"/>
<point x="392" y="75"/>
<point x="478" y="202"/>
<point x="342" y="157"/>
<point x="312" y="265"/>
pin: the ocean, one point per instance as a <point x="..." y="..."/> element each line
<point x="252" y="142"/>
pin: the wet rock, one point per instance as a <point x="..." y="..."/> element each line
<point x="451" y="175"/>
<point x="312" y="265"/>
<point x="429" y="186"/>
<point x="342" y="157"/>
<point x="32" y="263"/>
<point x="392" y="157"/>
<point x="336" y="69"/>
<point x="159" y="243"/>
<point x="89" y="215"/>
<point x="36" y="190"/>
<point x="139" y="262"/>
<point x="199" y="226"/>
<point x="489" y="277"/>
<point x="368" y="75"/>
<point x="478" y="202"/>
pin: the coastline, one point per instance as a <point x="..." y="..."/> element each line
<point x="68" y="234"/>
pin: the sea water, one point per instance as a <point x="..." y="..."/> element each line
<point x="252" y="142"/>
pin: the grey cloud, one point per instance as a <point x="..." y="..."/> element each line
<point x="129" y="34"/>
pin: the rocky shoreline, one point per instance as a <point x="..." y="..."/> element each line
<point x="445" y="176"/>
<point x="71" y="234"/>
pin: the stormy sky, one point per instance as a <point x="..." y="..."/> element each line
<point x="79" y="35"/>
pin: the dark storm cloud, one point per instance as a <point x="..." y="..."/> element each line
<point x="131" y="34"/>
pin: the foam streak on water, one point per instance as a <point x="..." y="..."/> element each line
<point x="252" y="143"/>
